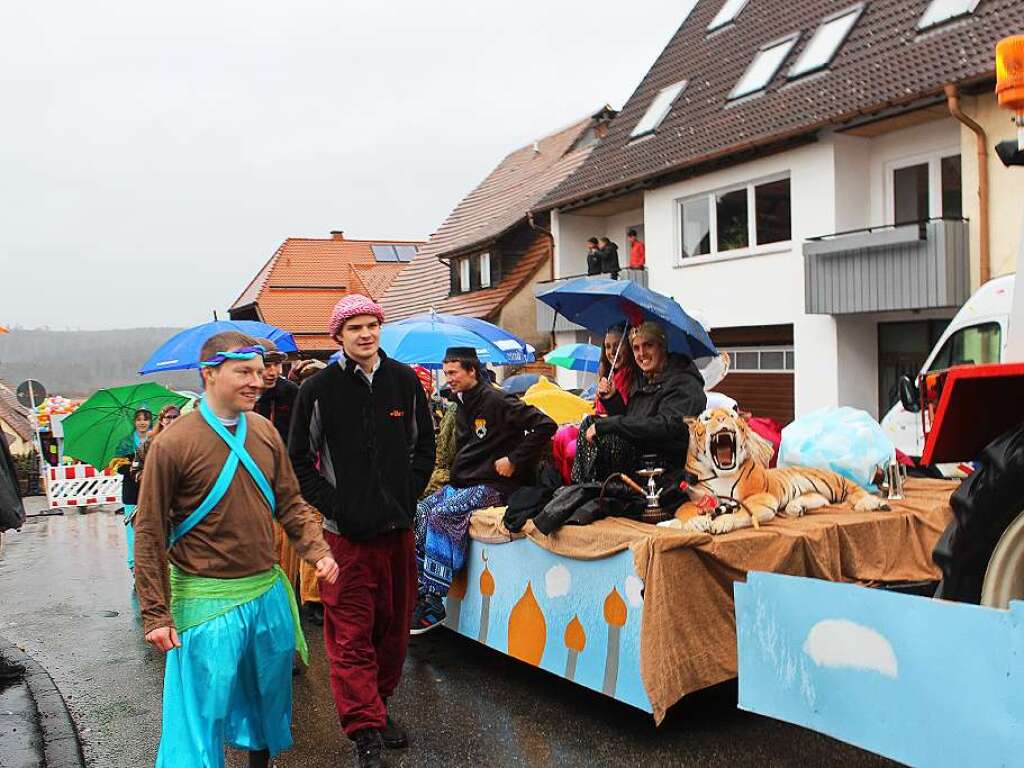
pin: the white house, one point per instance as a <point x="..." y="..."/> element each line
<point x="805" y="176"/>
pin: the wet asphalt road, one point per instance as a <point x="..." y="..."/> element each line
<point x="67" y="600"/>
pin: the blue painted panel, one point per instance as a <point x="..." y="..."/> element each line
<point x="925" y="682"/>
<point x="564" y="589"/>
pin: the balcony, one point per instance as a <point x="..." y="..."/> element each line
<point x="546" y="315"/>
<point x="918" y="265"/>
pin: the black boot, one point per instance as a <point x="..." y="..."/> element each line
<point x="393" y="735"/>
<point x="368" y="746"/>
<point x="260" y="759"/>
<point x="9" y="671"/>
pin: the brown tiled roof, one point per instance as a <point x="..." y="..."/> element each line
<point x="495" y="206"/>
<point x="13" y="413"/>
<point x="303" y="280"/>
<point x="484" y="303"/>
<point x="885" y="62"/>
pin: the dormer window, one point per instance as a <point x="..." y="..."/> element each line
<point x="729" y="11"/>
<point x="765" y="65"/>
<point x="658" y="110"/>
<point x="940" y="11"/>
<point x="471" y="273"/>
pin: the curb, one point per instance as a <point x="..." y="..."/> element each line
<point x="61" y="748"/>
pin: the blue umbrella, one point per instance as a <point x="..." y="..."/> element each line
<point x="515" y="350"/>
<point x="518" y="384"/>
<point x="575" y="357"/>
<point x="598" y="303"/>
<point x="181" y="351"/>
<point x="423" y="339"/>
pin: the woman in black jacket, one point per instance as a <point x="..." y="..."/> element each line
<point x="652" y="422"/>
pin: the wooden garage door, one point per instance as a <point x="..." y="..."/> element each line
<point x="761" y="377"/>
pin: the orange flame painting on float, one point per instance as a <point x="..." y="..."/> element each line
<point x="453" y="604"/>
<point x="575" y="640"/>
<point x="527" y="630"/>
<point x="486" y="591"/>
<point x="615" y="616"/>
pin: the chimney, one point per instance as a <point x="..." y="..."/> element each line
<point x="536" y="147"/>
<point x="337" y="234"/>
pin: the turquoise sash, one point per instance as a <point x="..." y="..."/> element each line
<point x="236" y="442"/>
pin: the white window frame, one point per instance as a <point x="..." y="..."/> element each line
<point x="485" y="269"/>
<point x="972" y="5"/>
<point x="464" y="286"/>
<point x="854" y="10"/>
<point x="753" y="248"/>
<point x="789" y="41"/>
<point x="759" y="350"/>
<point x="934" y="160"/>
<point x="720" y="21"/>
<point x="640" y="129"/>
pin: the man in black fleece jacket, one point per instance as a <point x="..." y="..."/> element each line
<point x="498" y="440"/>
<point x="362" y="444"/>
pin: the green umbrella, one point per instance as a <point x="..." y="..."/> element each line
<point x="92" y="432"/>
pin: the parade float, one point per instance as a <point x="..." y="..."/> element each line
<point x="644" y="613"/>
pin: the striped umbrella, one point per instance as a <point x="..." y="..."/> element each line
<point x="575" y="357"/>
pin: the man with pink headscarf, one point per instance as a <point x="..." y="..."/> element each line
<point x="362" y="444"/>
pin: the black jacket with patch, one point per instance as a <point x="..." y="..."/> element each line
<point x="276" y="404"/>
<point x="491" y="424"/>
<point x="362" y="452"/>
<point x="653" y="419"/>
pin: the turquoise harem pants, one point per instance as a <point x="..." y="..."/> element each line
<point x="230" y="682"/>
<point x="129" y="534"/>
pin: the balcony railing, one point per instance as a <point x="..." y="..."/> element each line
<point x="546" y="315"/>
<point x="915" y="265"/>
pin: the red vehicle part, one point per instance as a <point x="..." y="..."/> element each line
<point x="966" y="407"/>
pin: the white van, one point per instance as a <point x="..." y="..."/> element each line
<point x="977" y="335"/>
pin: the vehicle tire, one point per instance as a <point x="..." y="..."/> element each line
<point x="984" y="507"/>
<point x="1004" y="576"/>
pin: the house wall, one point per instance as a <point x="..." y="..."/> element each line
<point x="1006" y="187"/>
<point x="519" y="315"/>
<point x="17" y="445"/>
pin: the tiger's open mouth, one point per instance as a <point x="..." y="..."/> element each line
<point x="723" y="449"/>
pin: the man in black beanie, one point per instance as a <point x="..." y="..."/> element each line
<point x="498" y="440"/>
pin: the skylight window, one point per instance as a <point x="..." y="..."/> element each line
<point x="939" y="11"/>
<point x="764" y="66"/>
<point x="826" y="41"/>
<point x="729" y="11"/>
<point x="658" y="110"/>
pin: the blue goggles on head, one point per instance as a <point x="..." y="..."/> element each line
<point x="244" y="353"/>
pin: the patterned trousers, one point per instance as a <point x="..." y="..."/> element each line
<point x="442" y="533"/>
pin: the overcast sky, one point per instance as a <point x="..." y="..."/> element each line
<point x="154" y="155"/>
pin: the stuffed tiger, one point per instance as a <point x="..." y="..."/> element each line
<point x="731" y="461"/>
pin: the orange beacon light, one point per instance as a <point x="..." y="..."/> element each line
<point x="1010" y="80"/>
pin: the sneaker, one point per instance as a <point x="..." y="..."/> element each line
<point x="393" y="735"/>
<point x="429" y="614"/>
<point x="368" y="746"/>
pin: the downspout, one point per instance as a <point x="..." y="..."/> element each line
<point x="551" y="271"/>
<point x="984" y="262"/>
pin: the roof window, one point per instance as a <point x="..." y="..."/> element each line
<point x="826" y="41"/>
<point x="940" y="11"/>
<point x="729" y="11"/>
<point x="658" y="110"/>
<point x="764" y="66"/>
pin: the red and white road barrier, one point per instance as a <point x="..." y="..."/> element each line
<point x="81" y="485"/>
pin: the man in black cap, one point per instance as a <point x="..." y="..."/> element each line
<point x="498" y="439"/>
<point x="278" y="393"/>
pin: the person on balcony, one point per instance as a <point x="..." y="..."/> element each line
<point x="609" y="256"/>
<point x="637" y="251"/>
<point x="649" y="419"/>
<point x="593" y="257"/>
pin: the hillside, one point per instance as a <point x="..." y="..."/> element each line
<point x="77" y="363"/>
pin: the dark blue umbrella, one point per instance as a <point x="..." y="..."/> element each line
<point x="597" y="303"/>
<point x="518" y="384"/>
<point x="181" y="351"/>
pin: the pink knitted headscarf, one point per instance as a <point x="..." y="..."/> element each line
<point x="350" y="306"/>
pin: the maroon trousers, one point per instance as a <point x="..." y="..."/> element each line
<point x="366" y="623"/>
